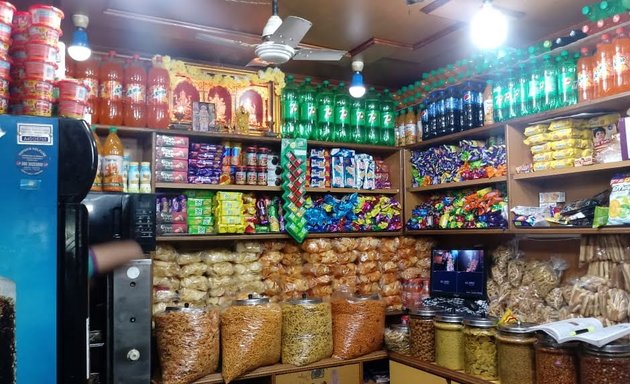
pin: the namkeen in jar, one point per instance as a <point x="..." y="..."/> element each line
<point x="449" y="341"/>
<point x="609" y="364"/>
<point x="515" y="350"/>
<point x="480" y="350"/>
<point x="397" y="339"/>
<point x="422" y="343"/>
<point x="555" y="363"/>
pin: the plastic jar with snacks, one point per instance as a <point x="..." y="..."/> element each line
<point x="306" y="331"/>
<point x="7" y="11"/>
<point x="41" y="34"/>
<point x="21" y="20"/>
<point x="252" y="176"/>
<point x="358" y="324"/>
<point x="7" y="330"/>
<point x="145" y="177"/>
<point x="515" y="352"/>
<point x="556" y="363"/>
<point x="188" y="343"/>
<point x="449" y="341"/>
<point x="397" y="339"/>
<point x="46" y="15"/>
<point x="251" y="336"/>
<point x="480" y="349"/>
<point x="40" y="70"/>
<point x="422" y="341"/>
<point x="262" y="155"/>
<point x="240" y="175"/>
<point x="251" y="160"/>
<point x="609" y="364"/>
<point x="261" y="175"/>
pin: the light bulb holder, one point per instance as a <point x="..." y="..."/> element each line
<point x="357" y="87"/>
<point x="79" y="48"/>
<point x="488" y="27"/>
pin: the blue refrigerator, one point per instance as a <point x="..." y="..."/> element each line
<point x="47" y="166"/>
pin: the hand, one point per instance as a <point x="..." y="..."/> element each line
<point x="111" y="255"/>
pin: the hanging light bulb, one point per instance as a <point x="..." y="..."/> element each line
<point x="79" y="49"/>
<point x="489" y="27"/>
<point x="357" y="88"/>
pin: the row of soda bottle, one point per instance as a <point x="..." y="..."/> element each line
<point x="325" y="113"/>
<point x="605" y="9"/>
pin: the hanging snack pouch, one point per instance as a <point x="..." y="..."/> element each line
<point x="536" y="139"/>
<point x="619" y="208"/>
<point x="536" y="129"/>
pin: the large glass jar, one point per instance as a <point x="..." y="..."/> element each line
<point x="422" y="329"/>
<point x="306" y="331"/>
<point x="397" y="338"/>
<point x="555" y="363"/>
<point x="515" y="352"/>
<point x="480" y="349"/>
<point x="609" y="364"/>
<point x="449" y="341"/>
<point x="7" y="331"/>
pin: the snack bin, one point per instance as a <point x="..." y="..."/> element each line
<point x="556" y="362"/>
<point x="7" y="331"/>
<point x="422" y="343"/>
<point x="480" y="350"/>
<point x="515" y="352"/>
<point x="397" y="339"/>
<point x="449" y="341"/>
<point x="608" y="364"/>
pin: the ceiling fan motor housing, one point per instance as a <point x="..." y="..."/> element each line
<point x="274" y="53"/>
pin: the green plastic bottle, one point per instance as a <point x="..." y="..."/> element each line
<point x="357" y="120"/>
<point x="373" y="116"/>
<point x="550" y="90"/>
<point x="567" y="80"/>
<point x="510" y="96"/>
<point x="522" y="86"/>
<point x="498" y="92"/>
<point x="308" y="109"/>
<point x="325" y="113"/>
<point x="290" y="108"/>
<point x="388" y="120"/>
<point x="342" y="132"/>
<point x="534" y="100"/>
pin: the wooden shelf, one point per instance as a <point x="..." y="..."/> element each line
<point x="480" y="132"/>
<point x="355" y="234"/>
<point x="125" y="131"/>
<point x="459" y="184"/>
<point x="372" y="149"/>
<point x="431" y="232"/>
<point x="184" y="237"/>
<point x="218" y="187"/>
<point x="435" y="369"/>
<point x="570" y="231"/>
<point x="571" y="171"/>
<point x="281" y="369"/>
<point x="352" y="190"/>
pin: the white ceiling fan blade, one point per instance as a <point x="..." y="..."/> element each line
<point x="291" y="31"/>
<point x="258" y="62"/>
<point x="319" y="54"/>
<point x="223" y="41"/>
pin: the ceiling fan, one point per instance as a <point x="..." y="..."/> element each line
<point x="280" y="40"/>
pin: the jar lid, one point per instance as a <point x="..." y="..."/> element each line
<point x="185" y="309"/>
<point x="251" y="300"/>
<point x="616" y="347"/>
<point x="427" y="312"/>
<point x="481" y="322"/>
<point x="544" y="340"/>
<point x="305" y="300"/>
<point x="373" y="296"/>
<point x="449" y="318"/>
<point x="518" y="328"/>
<point x="400" y="327"/>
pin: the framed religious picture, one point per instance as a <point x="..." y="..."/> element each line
<point x="203" y="117"/>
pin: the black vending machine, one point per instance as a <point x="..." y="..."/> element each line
<point x="120" y="302"/>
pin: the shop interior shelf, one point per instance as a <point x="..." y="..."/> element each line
<point x="184" y="237"/>
<point x="372" y="149"/>
<point x="388" y="191"/>
<point x="460" y="184"/>
<point x="463" y="231"/>
<point x="476" y="133"/>
<point x="218" y="187"/>
<point x="572" y="171"/>
<point x="281" y="369"/>
<point x="434" y="369"/>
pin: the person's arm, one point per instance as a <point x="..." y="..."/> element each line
<point x="108" y="256"/>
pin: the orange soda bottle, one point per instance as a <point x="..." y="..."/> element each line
<point x="110" y="105"/>
<point x="621" y="61"/>
<point x="87" y="72"/>
<point x="585" y="83"/>
<point x="159" y="86"/>
<point x="113" y="152"/>
<point x="604" y="71"/>
<point x="134" y="109"/>
<point x="97" y="185"/>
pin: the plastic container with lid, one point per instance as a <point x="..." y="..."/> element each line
<point x="187" y="343"/>
<point x="251" y="159"/>
<point x="133" y="177"/>
<point x="261" y="176"/>
<point x="40" y="34"/>
<point x="20" y="39"/>
<point x="556" y="363"/>
<point x="306" y="331"/>
<point x="5" y="32"/>
<point x="21" y="20"/>
<point x="17" y="52"/>
<point x="422" y="335"/>
<point x="4" y="87"/>
<point x="37" y="107"/>
<point x="6" y="12"/>
<point x="397" y="339"/>
<point x="71" y="89"/>
<point x="46" y="15"/>
<point x="7" y="325"/>
<point x="5" y="68"/>
<point x="72" y="109"/>
<point x="251" y="336"/>
<point x="145" y="177"/>
<point x="42" y="52"/>
<point x="449" y="341"/>
<point x="480" y="350"/>
<point x="515" y="352"/>
<point x="608" y="364"/>
<point x="39" y="70"/>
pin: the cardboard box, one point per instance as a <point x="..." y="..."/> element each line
<point x="347" y="374"/>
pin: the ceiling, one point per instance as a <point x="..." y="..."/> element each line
<point x="396" y="41"/>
